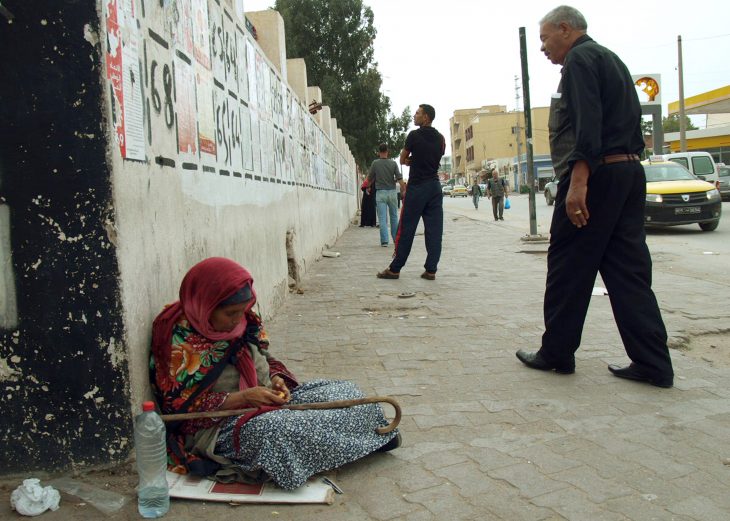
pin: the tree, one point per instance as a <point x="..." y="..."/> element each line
<point x="335" y="38"/>
<point x="647" y="127"/>
<point x="396" y="129"/>
<point x="671" y="123"/>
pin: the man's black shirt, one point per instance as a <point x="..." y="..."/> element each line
<point x="602" y="104"/>
<point x="426" y="146"/>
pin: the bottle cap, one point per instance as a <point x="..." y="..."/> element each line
<point x="148" y="406"/>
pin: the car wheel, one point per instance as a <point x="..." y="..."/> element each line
<point x="548" y="199"/>
<point x="709" y="227"/>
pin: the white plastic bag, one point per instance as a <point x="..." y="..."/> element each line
<point x="30" y="499"/>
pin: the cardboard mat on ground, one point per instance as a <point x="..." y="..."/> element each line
<point x="192" y="487"/>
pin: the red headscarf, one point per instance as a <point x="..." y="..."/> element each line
<point x="206" y="285"/>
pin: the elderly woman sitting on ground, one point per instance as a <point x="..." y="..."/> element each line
<point x="209" y="353"/>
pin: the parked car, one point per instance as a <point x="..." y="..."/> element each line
<point x="446" y="190"/>
<point x="675" y="196"/>
<point x="724" y="173"/>
<point x="551" y="191"/>
<point x="459" y="191"/>
<point x="700" y="164"/>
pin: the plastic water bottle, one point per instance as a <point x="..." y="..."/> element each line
<point x="149" y="440"/>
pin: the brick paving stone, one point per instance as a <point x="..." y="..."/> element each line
<point x="468" y="478"/>
<point x="641" y="508"/>
<point x="573" y="505"/>
<point x="530" y="481"/>
<point x="443" y="459"/>
<point x="445" y="502"/>
<point x="588" y="480"/>
<point x="707" y="483"/>
<point x="547" y="461"/>
<point x="381" y="500"/>
<point x="700" y="508"/>
<point x="489" y="459"/>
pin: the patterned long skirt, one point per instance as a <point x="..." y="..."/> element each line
<point x="290" y="446"/>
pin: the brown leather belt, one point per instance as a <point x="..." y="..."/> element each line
<point x="619" y="158"/>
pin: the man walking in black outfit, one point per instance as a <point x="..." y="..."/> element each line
<point x="423" y="198"/>
<point x="598" y="221"/>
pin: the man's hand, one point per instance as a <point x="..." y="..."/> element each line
<point x="576" y="207"/>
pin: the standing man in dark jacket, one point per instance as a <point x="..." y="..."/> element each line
<point x="498" y="192"/>
<point x="422" y="153"/>
<point x="598" y="221"/>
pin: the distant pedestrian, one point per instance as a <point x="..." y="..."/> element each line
<point x="367" y="210"/>
<point x="423" y="198"/>
<point x="476" y="193"/>
<point x="598" y="221"/>
<point x="384" y="174"/>
<point x="498" y="191"/>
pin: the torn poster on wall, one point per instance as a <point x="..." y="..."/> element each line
<point x="123" y="73"/>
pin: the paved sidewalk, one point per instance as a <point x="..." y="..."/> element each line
<point x="484" y="437"/>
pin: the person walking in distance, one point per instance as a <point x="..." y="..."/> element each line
<point x="598" y="221"/>
<point x="476" y="193"/>
<point x="367" y="210"/>
<point x="384" y="173"/>
<point x="423" y="198"/>
<point x="497" y="190"/>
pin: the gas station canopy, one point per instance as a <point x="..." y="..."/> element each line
<point x="711" y="102"/>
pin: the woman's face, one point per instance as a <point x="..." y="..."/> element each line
<point x="226" y="318"/>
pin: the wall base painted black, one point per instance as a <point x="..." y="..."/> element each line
<point x="63" y="372"/>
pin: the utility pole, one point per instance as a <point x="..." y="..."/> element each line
<point x="682" y="116"/>
<point x="517" y="129"/>
<point x="528" y="133"/>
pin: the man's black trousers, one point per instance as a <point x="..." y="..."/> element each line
<point x="422" y="200"/>
<point x="614" y="244"/>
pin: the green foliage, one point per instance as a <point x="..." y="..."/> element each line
<point x="671" y="123"/>
<point x="647" y="127"/>
<point x="396" y="131"/>
<point x="335" y="38"/>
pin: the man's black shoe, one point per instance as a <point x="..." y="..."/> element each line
<point x="536" y="361"/>
<point x="631" y="372"/>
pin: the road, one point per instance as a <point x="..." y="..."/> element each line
<point x="679" y="250"/>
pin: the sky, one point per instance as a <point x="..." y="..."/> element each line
<point x="460" y="54"/>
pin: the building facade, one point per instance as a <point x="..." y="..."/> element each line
<point x="491" y="137"/>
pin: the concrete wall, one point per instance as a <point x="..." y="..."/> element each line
<point x="145" y="137"/>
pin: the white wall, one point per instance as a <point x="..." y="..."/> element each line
<point x="178" y="201"/>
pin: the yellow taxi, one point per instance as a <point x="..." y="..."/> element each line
<point x="674" y="196"/>
<point x="459" y="191"/>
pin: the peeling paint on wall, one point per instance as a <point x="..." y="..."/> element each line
<point x="7" y="373"/>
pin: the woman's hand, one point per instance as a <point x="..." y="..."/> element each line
<point x="279" y="385"/>
<point x="253" y="397"/>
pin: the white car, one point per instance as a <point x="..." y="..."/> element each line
<point x="551" y="191"/>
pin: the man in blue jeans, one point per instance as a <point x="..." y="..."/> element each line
<point x="423" y="199"/>
<point x="384" y="173"/>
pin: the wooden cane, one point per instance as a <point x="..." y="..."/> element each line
<point x="338" y="404"/>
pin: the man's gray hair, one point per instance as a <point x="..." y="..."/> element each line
<point x="567" y="14"/>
